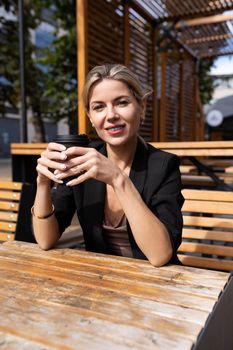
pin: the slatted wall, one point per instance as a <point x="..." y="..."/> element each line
<point x="105" y="35"/>
<point x="105" y="28"/>
<point x="178" y="98"/>
<point x="118" y="36"/>
<point x="188" y="98"/>
<point x="173" y="94"/>
<point x="141" y="62"/>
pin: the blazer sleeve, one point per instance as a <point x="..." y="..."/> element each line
<point x="64" y="204"/>
<point x="167" y="200"/>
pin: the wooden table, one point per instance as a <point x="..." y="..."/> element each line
<point x="199" y="153"/>
<point x="69" y="299"/>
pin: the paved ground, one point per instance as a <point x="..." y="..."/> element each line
<point x="5" y="168"/>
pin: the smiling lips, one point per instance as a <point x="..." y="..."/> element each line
<point x="115" y="129"/>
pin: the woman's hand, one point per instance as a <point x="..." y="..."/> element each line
<point x="87" y="163"/>
<point x="50" y="162"/>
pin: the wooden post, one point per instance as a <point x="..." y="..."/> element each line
<point x="81" y="15"/>
<point x="181" y="95"/>
<point x="198" y="133"/>
<point x="162" y="119"/>
<point x="155" y="126"/>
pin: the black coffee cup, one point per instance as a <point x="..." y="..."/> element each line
<point x="72" y="141"/>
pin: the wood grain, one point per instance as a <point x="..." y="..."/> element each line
<point x="77" y="298"/>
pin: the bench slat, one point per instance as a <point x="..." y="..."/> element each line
<point x="6" y="236"/>
<point x="210" y="207"/>
<point x="8" y="216"/>
<point x="206" y="249"/>
<point x="193" y="144"/>
<point x="207" y="221"/>
<point x="10" y="195"/>
<point x="9" y="185"/>
<point x="6" y="226"/>
<point x="9" y="206"/>
<point x="208" y="263"/>
<point x="200" y="152"/>
<point x="207" y="195"/>
<point x="22" y="145"/>
<point x="207" y="234"/>
<point x="36" y="152"/>
<point x="229" y="170"/>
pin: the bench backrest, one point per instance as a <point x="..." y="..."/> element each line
<point x="197" y="148"/>
<point x="27" y="148"/>
<point x="16" y="200"/>
<point x="10" y="193"/>
<point x="208" y="229"/>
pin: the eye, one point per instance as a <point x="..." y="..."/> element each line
<point x="98" y="107"/>
<point x="122" y="102"/>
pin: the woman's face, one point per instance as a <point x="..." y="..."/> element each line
<point x="115" y="112"/>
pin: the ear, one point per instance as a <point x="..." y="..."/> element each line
<point x="92" y="124"/>
<point x="143" y="104"/>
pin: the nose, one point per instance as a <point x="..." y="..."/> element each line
<point x="111" y="113"/>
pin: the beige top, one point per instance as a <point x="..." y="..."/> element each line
<point x="116" y="237"/>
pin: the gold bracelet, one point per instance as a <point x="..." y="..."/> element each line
<point x="42" y="217"/>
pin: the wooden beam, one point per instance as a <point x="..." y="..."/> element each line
<point x="216" y="54"/>
<point x="82" y="62"/>
<point x="203" y="20"/>
<point x="208" y="39"/>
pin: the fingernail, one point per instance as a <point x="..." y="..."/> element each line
<point x="62" y="148"/>
<point x="59" y="181"/>
<point x="63" y="167"/>
<point x="63" y="156"/>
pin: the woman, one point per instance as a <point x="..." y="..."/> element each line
<point x="130" y="201"/>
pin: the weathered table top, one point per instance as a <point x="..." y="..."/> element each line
<point x="69" y="299"/>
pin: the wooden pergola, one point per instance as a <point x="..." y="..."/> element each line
<point x="162" y="41"/>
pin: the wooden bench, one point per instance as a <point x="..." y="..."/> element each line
<point x="28" y="148"/>
<point x="10" y="193"/>
<point x="208" y="229"/>
<point x="197" y="148"/>
<point x="16" y="200"/>
<point x="24" y="160"/>
<point x="229" y="169"/>
<point x="203" y="154"/>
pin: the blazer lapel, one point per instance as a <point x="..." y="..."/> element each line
<point x="139" y="167"/>
<point x="138" y="177"/>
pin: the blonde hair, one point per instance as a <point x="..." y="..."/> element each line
<point x="116" y="72"/>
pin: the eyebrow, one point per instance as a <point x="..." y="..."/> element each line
<point x="117" y="98"/>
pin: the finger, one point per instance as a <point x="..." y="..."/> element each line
<point x="81" y="159"/>
<point x="81" y="178"/>
<point x="53" y="146"/>
<point x="75" y="171"/>
<point x="51" y="164"/>
<point x="45" y="172"/>
<point x="60" y="156"/>
<point x="77" y="151"/>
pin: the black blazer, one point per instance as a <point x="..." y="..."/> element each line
<point x="156" y="176"/>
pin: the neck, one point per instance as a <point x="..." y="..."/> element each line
<point x="122" y="156"/>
